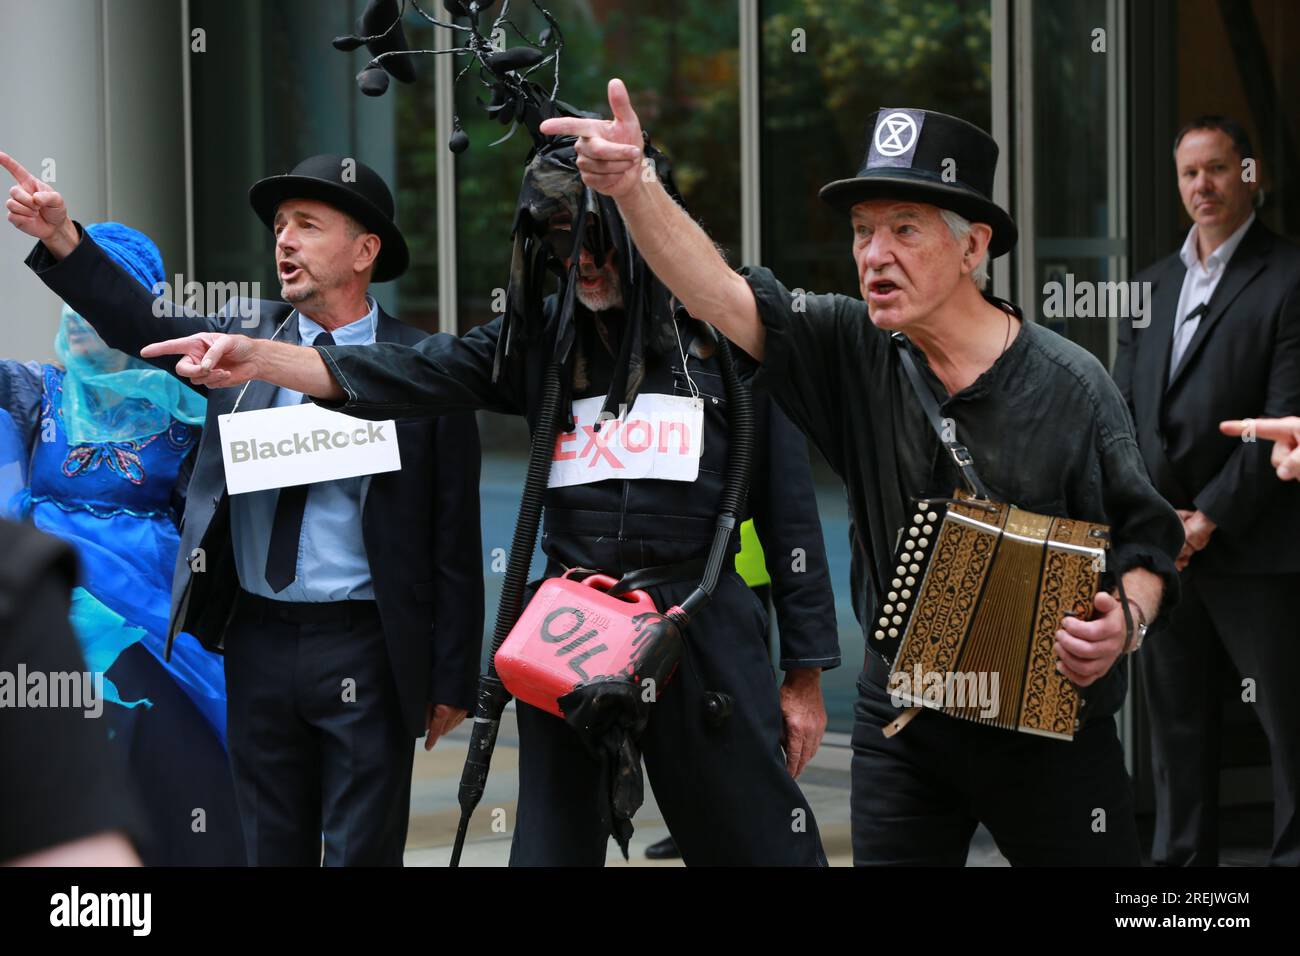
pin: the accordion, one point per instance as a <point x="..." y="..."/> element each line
<point x="968" y="619"/>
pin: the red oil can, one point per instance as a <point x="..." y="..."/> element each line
<point x="574" y="632"/>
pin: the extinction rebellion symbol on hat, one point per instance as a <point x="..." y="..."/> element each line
<point x="895" y="138"/>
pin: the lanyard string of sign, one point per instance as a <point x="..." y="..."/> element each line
<point x="374" y="335"/>
<point x="690" y="382"/>
<point x="239" y="398"/>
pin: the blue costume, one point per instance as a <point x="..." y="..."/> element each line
<point x="96" y="452"/>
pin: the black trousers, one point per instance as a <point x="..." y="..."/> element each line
<point x="724" y="792"/>
<point x="316" y="738"/>
<point x="1249" y="619"/>
<point x="918" y="796"/>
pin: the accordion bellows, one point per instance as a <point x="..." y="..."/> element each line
<point x="978" y="593"/>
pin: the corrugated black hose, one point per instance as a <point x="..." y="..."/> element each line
<point x="492" y="695"/>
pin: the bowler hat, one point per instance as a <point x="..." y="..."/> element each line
<point x="933" y="158"/>
<point x="347" y="185"/>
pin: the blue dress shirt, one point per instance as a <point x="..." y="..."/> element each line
<point x="332" y="563"/>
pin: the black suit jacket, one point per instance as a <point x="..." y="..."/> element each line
<point x="420" y="524"/>
<point x="1243" y="362"/>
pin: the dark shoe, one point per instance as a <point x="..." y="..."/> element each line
<point x="665" y="849"/>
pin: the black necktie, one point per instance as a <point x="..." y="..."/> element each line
<point x="282" y="553"/>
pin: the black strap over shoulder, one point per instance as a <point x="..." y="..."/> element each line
<point x="959" y="452"/>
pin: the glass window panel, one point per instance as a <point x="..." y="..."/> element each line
<point x="270" y="91"/>
<point x="1077" y="225"/>
<point x="679" y="59"/>
<point x="1252" y="79"/>
<point x="856" y="58"/>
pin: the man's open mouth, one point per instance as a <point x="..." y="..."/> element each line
<point x="881" y="287"/>
<point x="289" y="271"/>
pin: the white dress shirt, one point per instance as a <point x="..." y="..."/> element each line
<point x="1198" y="285"/>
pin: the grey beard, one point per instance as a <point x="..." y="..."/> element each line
<point x="611" y="298"/>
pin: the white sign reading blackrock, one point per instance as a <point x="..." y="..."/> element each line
<point x="302" y="444"/>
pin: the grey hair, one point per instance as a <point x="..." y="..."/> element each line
<point x="960" y="229"/>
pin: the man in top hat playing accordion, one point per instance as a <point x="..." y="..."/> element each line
<point x="1040" y="418"/>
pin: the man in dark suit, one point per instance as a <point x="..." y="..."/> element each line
<point x="350" y="611"/>
<point x="1223" y="343"/>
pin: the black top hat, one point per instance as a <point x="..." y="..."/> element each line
<point x="347" y="185"/>
<point x="931" y="158"/>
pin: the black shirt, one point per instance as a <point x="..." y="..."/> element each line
<point x="1045" y="424"/>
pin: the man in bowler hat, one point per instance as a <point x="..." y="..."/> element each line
<point x="350" y="611"/>
<point x="1046" y="427"/>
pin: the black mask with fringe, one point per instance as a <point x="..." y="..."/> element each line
<point x="553" y="190"/>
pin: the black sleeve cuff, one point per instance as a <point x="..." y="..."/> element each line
<point x="774" y="304"/>
<point x="350" y="396"/>
<point x="41" y="261"/>
<point x="823" y="663"/>
<point x="1124" y="558"/>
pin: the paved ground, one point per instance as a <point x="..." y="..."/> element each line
<point x="434" y="812"/>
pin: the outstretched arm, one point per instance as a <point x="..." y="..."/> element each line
<point x="440" y="374"/>
<point x="126" y="315"/>
<point x="219" y="360"/>
<point x="612" y="162"/>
